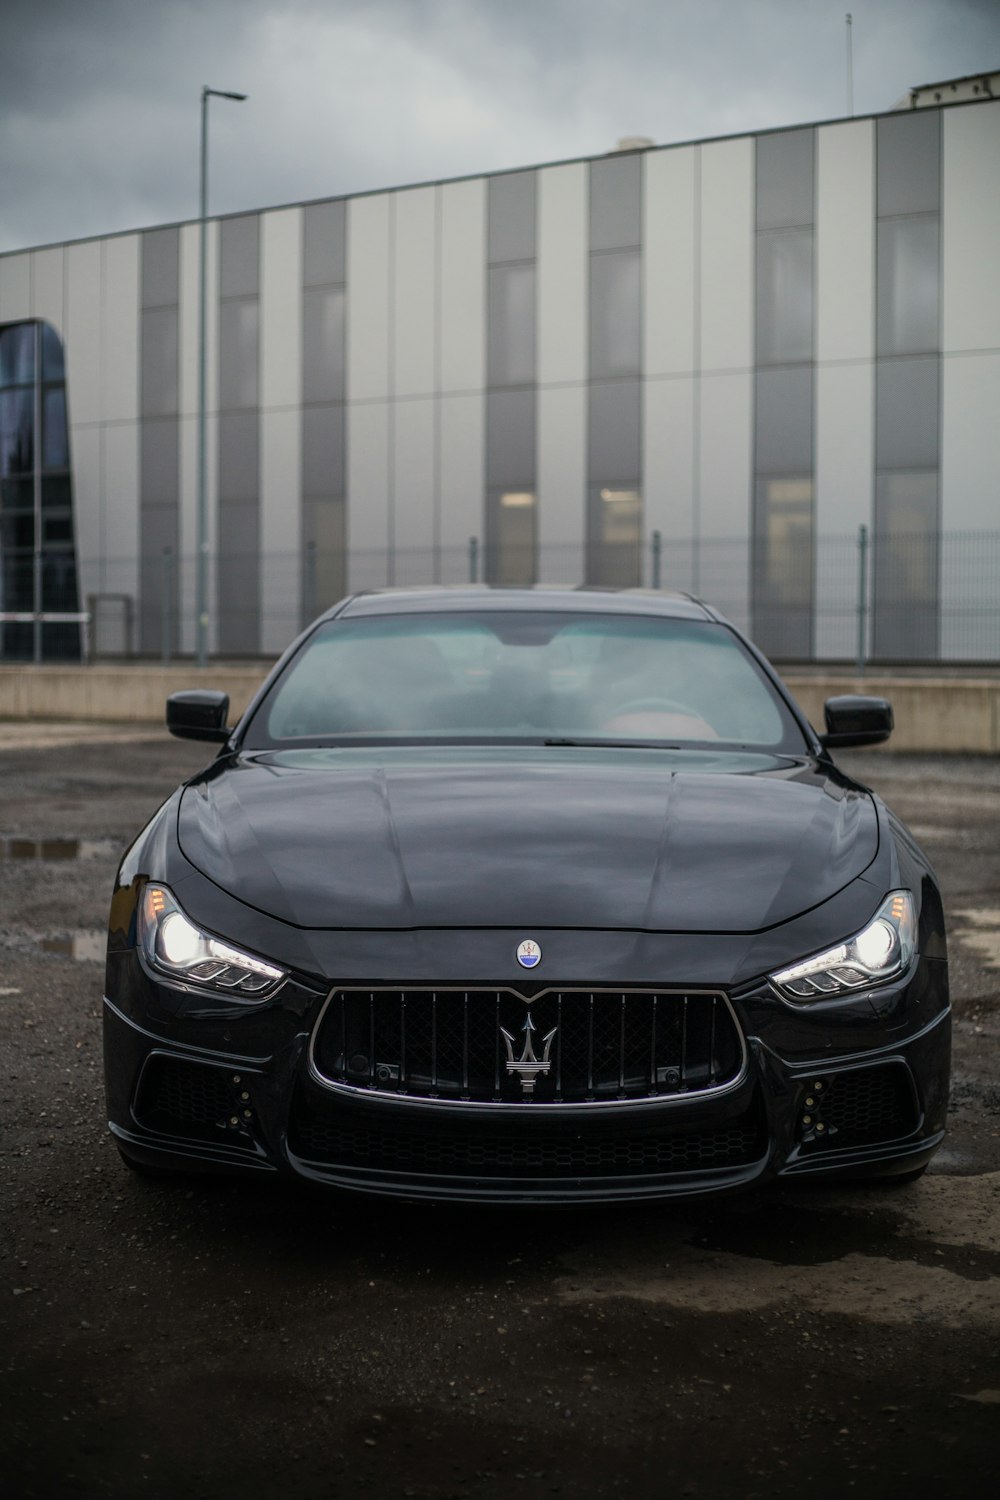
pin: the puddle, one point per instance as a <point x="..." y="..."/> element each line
<point x="86" y="945"/>
<point x="58" y="849"/>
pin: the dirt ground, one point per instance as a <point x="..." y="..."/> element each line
<point x="204" y="1339"/>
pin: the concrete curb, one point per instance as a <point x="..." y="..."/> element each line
<point x="941" y="715"/>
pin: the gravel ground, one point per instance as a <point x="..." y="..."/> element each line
<point x="204" y="1339"/>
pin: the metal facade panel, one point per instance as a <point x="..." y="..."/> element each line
<point x="369" y="438"/>
<point x="120" y="517"/>
<point x="669" y="262"/>
<point x="562" y="482"/>
<point x="845" y="241"/>
<point x="368" y="277"/>
<point x="562" y="274"/>
<point x="668" y="468"/>
<point x="727" y="255"/>
<point x="971" y="228"/>
<point x="280" y="526"/>
<point x="84" y="362"/>
<point x="120" y="330"/>
<point x="463" y="461"/>
<point x="414" y="483"/>
<point x="722" y="501"/>
<point x="970" y="441"/>
<point x="280" y="309"/>
<point x="463" y="285"/>
<point x="48" y="286"/>
<point x="415" y="292"/>
<point x="845" y="458"/>
<point x="15" y="288"/>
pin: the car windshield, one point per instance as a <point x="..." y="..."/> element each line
<point x="549" y="677"/>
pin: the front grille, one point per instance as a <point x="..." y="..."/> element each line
<point x="864" y="1106"/>
<point x="568" y="1046"/>
<point x="480" y="1147"/>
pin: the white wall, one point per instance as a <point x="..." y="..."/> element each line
<point x="280" y="426"/>
<point x="561" y="370"/>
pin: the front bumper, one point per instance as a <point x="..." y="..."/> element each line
<point x="198" y="1084"/>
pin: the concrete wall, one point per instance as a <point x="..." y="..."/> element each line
<point x="959" y="715"/>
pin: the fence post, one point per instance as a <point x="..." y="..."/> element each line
<point x="166" y="611"/>
<point x="473" y="559"/>
<point x="657" y="549"/>
<point x="862" y="599"/>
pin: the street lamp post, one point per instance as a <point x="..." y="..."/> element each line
<point x="201" y="563"/>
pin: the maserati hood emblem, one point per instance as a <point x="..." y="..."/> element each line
<point x="528" y="1067"/>
<point x="528" y="954"/>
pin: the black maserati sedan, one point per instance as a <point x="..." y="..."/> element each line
<point x="530" y="895"/>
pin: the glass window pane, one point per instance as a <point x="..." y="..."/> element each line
<point x="17" y="354"/>
<point x="907" y="413"/>
<point x="59" y="581"/>
<point x="784" y="296"/>
<point x="238" y="467"/>
<point x="238" y="353"/>
<point x="614" y="434"/>
<point x="57" y="492"/>
<point x="909" y="162"/>
<point x="785" y="179"/>
<point x="906" y="566"/>
<point x="323" y="244"/>
<point x="55" y="437"/>
<point x="615" y="340"/>
<point x="160" y="267"/>
<point x="783" y="421"/>
<point x="159" y="462"/>
<point x="909" y="284"/>
<point x="511" y="325"/>
<point x="323" y="451"/>
<point x="783" y="566"/>
<point x="323" y="344"/>
<point x="19" y="494"/>
<point x="614" y="540"/>
<point x="159" y="362"/>
<point x="510" y="536"/>
<point x="616" y="202"/>
<point x="238" y="256"/>
<point x="512" y="216"/>
<point x="17" y="432"/>
<point x="510" y="439"/>
<point x="53" y="363"/>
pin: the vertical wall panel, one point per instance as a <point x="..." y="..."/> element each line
<point x="15" y="288"/>
<point x="463" y="434"/>
<point x="120" y="329"/>
<point x="669" y="272"/>
<point x="845" y="460"/>
<point x="727" y="222"/>
<point x="668" y="471"/>
<point x="368" y="447"/>
<point x="368" y="373"/>
<point x="47" y="286"/>
<point x="463" y="285"/>
<point x="971" y="227"/>
<point x="83" y="331"/>
<point x="120" y="520"/>
<point x="188" y="398"/>
<point x="722" y="564"/>
<point x="414" y="300"/>
<point x="562" y="483"/>
<point x="414" y="464"/>
<point x="562" y="275"/>
<point x="280" y="434"/>
<point x="970" y="448"/>
<point x="91" y="532"/>
<point x="845" y="241"/>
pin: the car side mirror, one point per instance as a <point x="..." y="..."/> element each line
<point x="199" y="714"/>
<point x="852" y="720"/>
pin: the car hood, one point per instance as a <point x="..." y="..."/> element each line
<point x="552" y="838"/>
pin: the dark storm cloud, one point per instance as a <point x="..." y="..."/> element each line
<point x="99" y="110"/>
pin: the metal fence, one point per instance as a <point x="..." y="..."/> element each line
<point x="854" y="598"/>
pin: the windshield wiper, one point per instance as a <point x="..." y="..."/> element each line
<point x="606" y="744"/>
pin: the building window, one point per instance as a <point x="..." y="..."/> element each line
<point x="511" y="529"/>
<point x="38" y="565"/>
<point x="783" y="493"/>
<point x="614" y="395"/>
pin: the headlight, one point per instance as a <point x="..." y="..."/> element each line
<point x="173" y="944"/>
<point x="883" y="949"/>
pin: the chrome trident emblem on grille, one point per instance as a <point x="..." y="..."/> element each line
<point x="528" y="1066"/>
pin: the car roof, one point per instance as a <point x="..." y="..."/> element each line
<point x="472" y="598"/>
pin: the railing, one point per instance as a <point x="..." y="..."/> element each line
<point x="855" y="598"/>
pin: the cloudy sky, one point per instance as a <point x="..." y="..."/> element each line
<point x="99" y="107"/>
